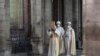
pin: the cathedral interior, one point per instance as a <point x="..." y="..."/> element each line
<point x="23" y="25"/>
<point x="28" y="20"/>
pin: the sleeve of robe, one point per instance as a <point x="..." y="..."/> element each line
<point x="48" y="33"/>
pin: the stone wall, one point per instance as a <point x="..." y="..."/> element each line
<point x="91" y="25"/>
<point x="4" y="28"/>
<point x="1" y="22"/>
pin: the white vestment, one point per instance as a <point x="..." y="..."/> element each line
<point x="70" y="42"/>
<point x="54" y="44"/>
<point x="61" y="40"/>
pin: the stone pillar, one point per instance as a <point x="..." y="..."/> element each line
<point x="2" y="15"/>
<point x="36" y="21"/>
<point x="47" y="17"/>
<point x="83" y="25"/>
<point x="5" y="27"/>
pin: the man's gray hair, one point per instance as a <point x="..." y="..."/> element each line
<point x="58" y="22"/>
<point x="69" y="23"/>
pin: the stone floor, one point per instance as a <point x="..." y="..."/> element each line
<point x="79" y="53"/>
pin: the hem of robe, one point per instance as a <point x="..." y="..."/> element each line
<point x="50" y="46"/>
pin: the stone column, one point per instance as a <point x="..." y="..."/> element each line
<point x="47" y="17"/>
<point x="41" y="15"/>
<point x="36" y="21"/>
<point x="2" y="15"/>
<point x="5" y="27"/>
<point x="83" y="25"/>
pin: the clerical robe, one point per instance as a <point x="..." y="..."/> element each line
<point x="53" y="44"/>
<point x="61" y="40"/>
<point x="70" y="42"/>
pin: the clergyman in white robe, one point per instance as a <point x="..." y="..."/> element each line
<point x="61" y="40"/>
<point x="70" y="41"/>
